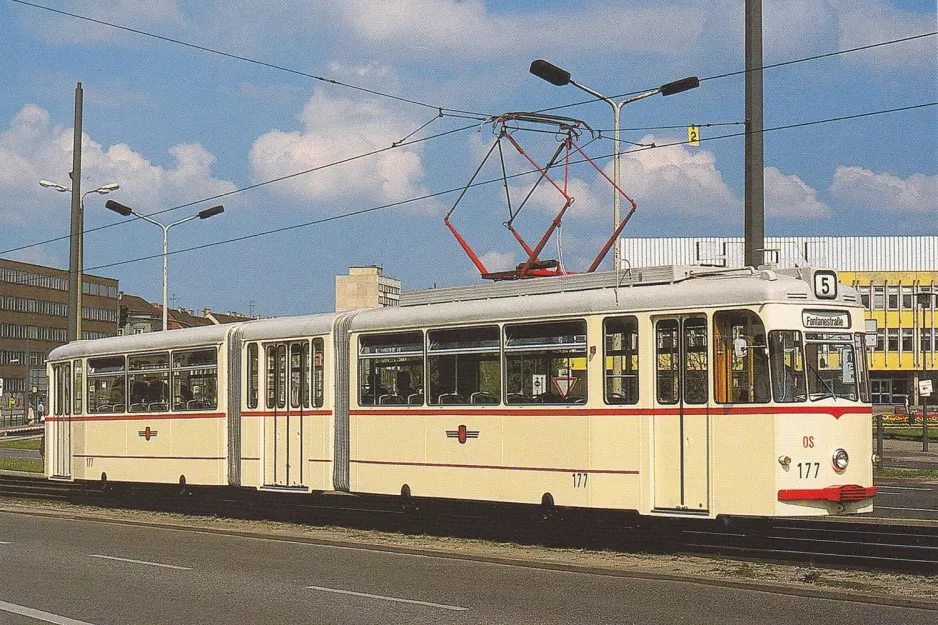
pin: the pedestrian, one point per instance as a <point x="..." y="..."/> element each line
<point x="30" y="415"/>
<point x="41" y="410"/>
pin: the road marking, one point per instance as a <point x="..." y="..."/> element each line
<point x="39" y="615"/>
<point x="398" y="600"/>
<point x="906" y="488"/>
<point x="165" y="566"/>
<point x="3" y="542"/>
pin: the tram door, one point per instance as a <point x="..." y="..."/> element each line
<point x="61" y="435"/>
<point x="681" y="419"/>
<point x="287" y="396"/>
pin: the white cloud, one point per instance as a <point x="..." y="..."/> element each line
<point x="32" y="149"/>
<point x="864" y="22"/>
<point x="467" y="29"/>
<point x="886" y="192"/>
<point x="793" y="28"/>
<point x="676" y="180"/>
<point x="788" y="197"/>
<point x="499" y="261"/>
<point x="334" y="129"/>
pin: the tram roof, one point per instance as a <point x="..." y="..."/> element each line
<point x="684" y="290"/>
<point x="693" y="291"/>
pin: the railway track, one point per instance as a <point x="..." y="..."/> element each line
<point x="823" y="542"/>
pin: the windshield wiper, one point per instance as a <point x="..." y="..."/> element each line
<point x="830" y="387"/>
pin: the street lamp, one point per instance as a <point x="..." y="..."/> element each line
<point x="560" y="77"/>
<point x="924" y="302"/>
<point x="126" y="211"/>
<point x="75" y="290"/>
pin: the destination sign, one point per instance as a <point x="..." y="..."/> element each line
<point x="825" y="319"/>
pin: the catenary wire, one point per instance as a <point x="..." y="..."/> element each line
<point x="754" y="69"/>
<point x="498" y="180"/>
<point x="245" y="59"/>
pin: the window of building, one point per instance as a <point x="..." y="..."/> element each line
<point x="465" y="367"/>
<point x="907" y="340"/>
<point x="926" y="340"/>
<point x="546" y="362"/>
<point x="106" y="384"/>
<point x="195" y="379"/>
<point x="892" y="297"/>
<point x="892" y="339"/>
<point x="879" y="298"/>
<point x="148" y="382"/>
<point x="620" y="357"/>
<point x="864" y="296"/>
<point x="881" y="391"/>
<point x="382" y="360"/>
<point x="881" y="339"/>
<point x="908" y="300"/>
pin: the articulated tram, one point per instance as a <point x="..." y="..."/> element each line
<point x="672" y="391"/>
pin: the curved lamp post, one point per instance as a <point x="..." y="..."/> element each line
<point x="78" y="240"/>
<point x="126" y="211"/>
<point x="561" y="77"/>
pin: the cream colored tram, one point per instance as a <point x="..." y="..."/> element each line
<point x="672" y="391"/>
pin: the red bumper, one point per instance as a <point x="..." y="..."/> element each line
<point x="838" y="494"/>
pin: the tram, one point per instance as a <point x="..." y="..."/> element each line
<point x="669" y="391"/>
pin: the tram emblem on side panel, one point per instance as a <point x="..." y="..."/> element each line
<point x="462" y="434"/>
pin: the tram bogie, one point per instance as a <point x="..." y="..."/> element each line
<point x="684" y="392"/>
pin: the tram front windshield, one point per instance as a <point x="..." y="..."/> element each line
<point x="831" y="366"/>
<point x="813" y="366"/>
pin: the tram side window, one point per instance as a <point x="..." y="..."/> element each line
<point x="252" y="375"/>
<point x="391" y="369"/>
<point x="318" y="373"/>
<point x="741" y="374"/>
<point x="107" y="384"/>
<point x="621" y="360"/>
<point x="465" y="366"/>
<point x="149" y="382"/>
<point x="77" y="390"/>
<point x="60" y="408"/>
<point x="786" y="354"/>
<point x="276" y="376"/>
<point x="863" y="371"/>
<point x="195" y="379"/>
<point x="696" y="361"/>
<point x="546" y="363"/>
<point x="299" y="375"/>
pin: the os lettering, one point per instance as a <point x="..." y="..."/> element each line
<point x="807" y="442"/>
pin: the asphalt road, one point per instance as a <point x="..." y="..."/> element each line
<point x="72" y="571"/>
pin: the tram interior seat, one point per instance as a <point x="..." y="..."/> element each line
<point x="138" y="407"/>
<point x="519" y="398"/>
<point x="391" y="399"/>
<point x="481" y="397"/>
<point x="452" y="398"/>
<point x="158" y="406"/>
<point x="415" y="398"/>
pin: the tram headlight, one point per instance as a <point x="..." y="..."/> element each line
<point x="840" y="460"/>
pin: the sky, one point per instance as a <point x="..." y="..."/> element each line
<point x="339" y="133"/>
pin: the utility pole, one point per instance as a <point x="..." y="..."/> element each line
<point x="75" y="277"/>
<point x="755" y="176"/>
